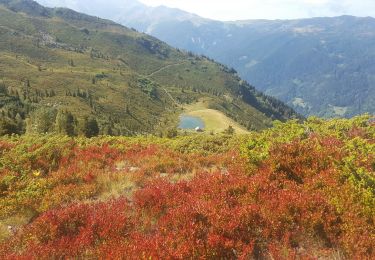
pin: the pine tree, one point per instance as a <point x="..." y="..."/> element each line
<point x="230" y="130"/>
<point x="20" y="123"/>
<point x="7" y="126"/>
<point x="41" y="121"/>
<point x="65" y="123"/>
<point x="108" y="130"/>
<point x="89" y="127"/>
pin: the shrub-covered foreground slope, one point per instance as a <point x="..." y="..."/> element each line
<point x="296" y="190"/>
<point x="57" y="60"/>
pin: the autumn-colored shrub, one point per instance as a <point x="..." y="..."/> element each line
<point x="75" y="230"/>
<point x="297" y="191"/>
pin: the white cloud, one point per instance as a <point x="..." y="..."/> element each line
<point x="270" y="9"/>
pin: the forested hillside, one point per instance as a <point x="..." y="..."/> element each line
<point x="67" y="72"/>
<point x="319" y="66"/>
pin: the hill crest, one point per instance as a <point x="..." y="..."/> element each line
<point x="95" y="68"/>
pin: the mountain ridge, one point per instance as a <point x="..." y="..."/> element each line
<point x="294" y="60"/>
<point x="92" y="67"/>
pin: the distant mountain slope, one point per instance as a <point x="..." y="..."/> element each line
<point x="52" y="60"/>
<point x="320" y="66"/>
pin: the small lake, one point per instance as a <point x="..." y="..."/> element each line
<point x="190" y="122"/>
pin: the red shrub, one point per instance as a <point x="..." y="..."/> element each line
<point x="297" y="204"/>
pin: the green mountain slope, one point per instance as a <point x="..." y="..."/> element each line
<point x="57" y="60"/>
<point x="319" y="66"/>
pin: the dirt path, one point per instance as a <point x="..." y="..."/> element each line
<point x="171" y="97"/>
<point x="165" y="67"/>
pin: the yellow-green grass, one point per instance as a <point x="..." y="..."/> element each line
<point x="11" y="224"/>
<point x="93" y="67"/>
<point x="214" y="120"/>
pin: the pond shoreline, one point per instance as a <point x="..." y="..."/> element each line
<point x="188" y="122"/>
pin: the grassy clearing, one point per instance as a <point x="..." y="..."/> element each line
<point x="214" y="120"/>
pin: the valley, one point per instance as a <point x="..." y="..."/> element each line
<point x="320" y="66"/>
<point x="115" y="145"/>
<point x="121" y="81"/>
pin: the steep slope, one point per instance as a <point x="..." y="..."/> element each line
<point x="54" y="60"/>
<point x="319" y="66"/>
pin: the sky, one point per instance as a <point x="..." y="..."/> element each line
<point x="269" y="9"/>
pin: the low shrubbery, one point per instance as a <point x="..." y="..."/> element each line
<point x="293" y="191"/>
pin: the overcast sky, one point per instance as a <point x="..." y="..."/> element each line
<point x="270" y="9"/>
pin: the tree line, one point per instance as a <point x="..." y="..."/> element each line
<point x="61" y="121"/>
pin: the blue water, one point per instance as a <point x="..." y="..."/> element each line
<point x="190" y="122"/>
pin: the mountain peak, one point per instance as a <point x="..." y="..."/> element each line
<point x="29" y="7"/>
<point x="128" y="81"/>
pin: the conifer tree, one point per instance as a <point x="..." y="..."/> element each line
<point x="89" y="127"/>
<point x="64" y="123"/>
<point x="41" y="121"/>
